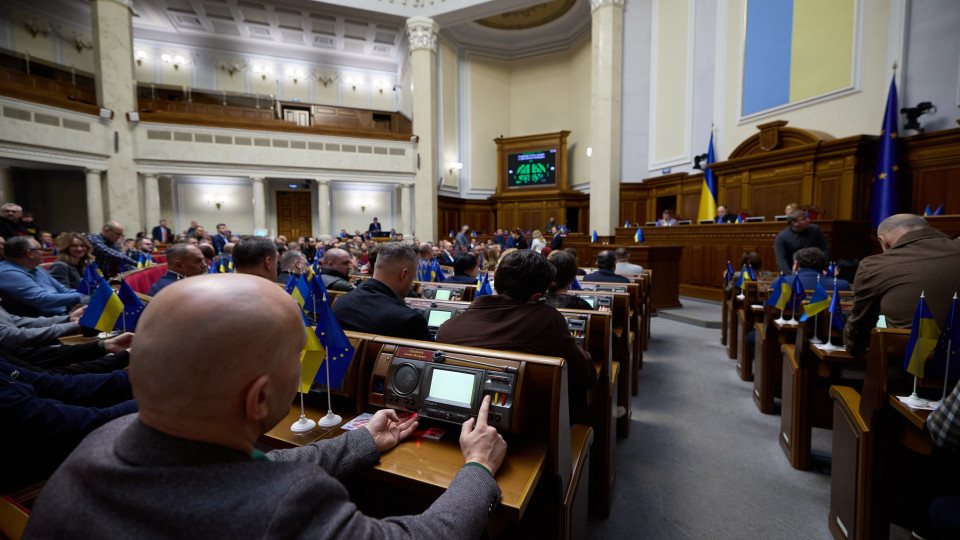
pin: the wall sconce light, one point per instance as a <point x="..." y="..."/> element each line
<point x="262" y="71"/>
<point x="177" y="60"/>
<point x="381" y="85"/>
<point x="141" y="56"/>
<point x="296" y="74"/>
<point x="589" y="151"/>
<point x="230" y="67"/>
<point x="455" y="165"/>
<point x="217" y="200"/>
<point x="363" y="204"/>
<point x="34" y="29"/>
<point x="354" y="82"/>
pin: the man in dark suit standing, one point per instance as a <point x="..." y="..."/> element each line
<point x="557" y="241"/>
<point x="374" y="227"/>
<point x="221" y="238"/>
<point x="162" y="233"/>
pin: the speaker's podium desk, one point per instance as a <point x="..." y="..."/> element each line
<point x="427" y="466"/>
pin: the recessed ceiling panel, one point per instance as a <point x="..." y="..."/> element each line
<point x="228" y="28"/>
<point x="322" y="24"/>
<point x="217" y="11"/>
<point x="355" y="29"/>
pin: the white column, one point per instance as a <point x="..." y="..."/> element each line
<point x="116" y="90"/>
<point x="151" y="201"/>
<point x="259" y="203"/>
<point x="406" y="204"/>
<point x="605" y="66"/>
<point x="6" y="186"/>
<point x="94" y="201"/>
<point x="323" y="207"/>
<point x="423" y="46"/>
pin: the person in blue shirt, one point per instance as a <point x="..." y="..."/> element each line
<point x="30" y="291"/>
<point x="44" y="416"/>
<point x="808" y="263"/>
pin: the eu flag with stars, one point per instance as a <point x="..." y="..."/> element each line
<point x="132" y="307"/>
<point x="834" y="309"/>
<point x="338" y="348"/>
<point x="484" y="288"/>
<point x="89" y="282"/>
<point x="883" y="193"/>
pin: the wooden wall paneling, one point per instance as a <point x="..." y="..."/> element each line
<point x="932" y="162"/>
<point x="769" y="198"/>
<point x="935" y="187"/>
<point x="827" y="192"/>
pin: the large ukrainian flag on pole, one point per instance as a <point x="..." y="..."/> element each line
<point x="708" y="192"/>
<point x="104" y="309"/>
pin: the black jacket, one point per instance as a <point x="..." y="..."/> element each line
<point x="374" y="308"/>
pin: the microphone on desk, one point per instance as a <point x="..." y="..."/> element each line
<point x="440" y="357"/>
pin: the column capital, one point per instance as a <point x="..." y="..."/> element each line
<point x="594" y="4"/>
<point x="423" y="33"/>
<point x="258" y="179"/>
<point x="323" y="181"/>
<point x="93" y="171"/>
<point x="406" y="185"/>
<point x="149" y="174"/>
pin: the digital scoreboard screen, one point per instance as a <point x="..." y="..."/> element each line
<point x="526" y="169"/>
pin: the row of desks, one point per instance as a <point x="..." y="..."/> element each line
<point x="826" y="387"/>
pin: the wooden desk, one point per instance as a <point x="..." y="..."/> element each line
<point x="424" y="465"/>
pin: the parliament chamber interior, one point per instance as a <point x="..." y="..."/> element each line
<point x="738" y="205"/>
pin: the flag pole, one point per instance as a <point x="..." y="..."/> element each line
<point x="913" y="400"/>
<point x="816" y="339"/>
<point x="946" y="369"/>
<point x="304" y="424"/>
<point x="331" y="419"/>
<point x="829" y="346"/>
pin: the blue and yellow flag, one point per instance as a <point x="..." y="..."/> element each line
<point x="301" y="292"/>
<point x="947" y="352"/>
<point x="436" y="273"/>
<point x="334" y="341"/>
<point x="884" y="200"/>
<point x="926" y="211"/>
<point x="728" y="274"/>
<point x="229" y="263"/>
<point x="89" y="281"/>
<point x="638" y="236"/>
<point x="473" y="234"/>
<point x="626" y="223"/>
<point x="451" y="233"/>
<point x="97" y="269"/>
<point x="818" y="302"/>
<point x="483" y="289"/>
<point x="575" y="286"/>
<point x="593" y="237"/>
<point x="923" y="340"/>
<point x="311" y="357"/>
<point x="291" y="284"/>
<point x="708" y="191"/>
<point x="745" y="276"/>
<point x="213" y="268"/>
<point x="132" y="307"/>
<point x="104" y="309"/>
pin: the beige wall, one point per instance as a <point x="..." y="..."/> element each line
<point x="525" y="97"/>
<point x="450" y="136"/>
<point x="236" y="211"/>
<point x="853" y="114"/>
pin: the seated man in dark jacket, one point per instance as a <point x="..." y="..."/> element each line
<point x="466" y="268"/>
<point x="336" y="270"/>
<point x="606" y="262"/>
<point x="376" y="306"/>
<point x="516" y="320"/>
<point x="44" y="416"/>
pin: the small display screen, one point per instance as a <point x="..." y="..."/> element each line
<point x="537" y="168"/>
<point x="443" y="294"/>
<point x="438" y="317"/>
<point x="590" y="300"/>
<point x="453" y="387"/>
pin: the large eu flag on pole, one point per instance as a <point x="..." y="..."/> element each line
<point x="884" y="187"/>
<point x="708" y="191"/>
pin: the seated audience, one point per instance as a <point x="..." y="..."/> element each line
<point x="623" y="262"/>
<point x="183" y="261"/>
<point x="3" y="244"/>
<point x="16" y="331"/>
<point x="576" y="258"/>
<point x="519" y="241"/>
<point x="943" y="424"/>
<point x="44" y="416"/>
<point x="208" y="254"/>
<point x="809" y="264"/>
<point x="791" y="208"/>
<point x="107" y="250"/>
<point x="447" y="257"/>
<point x="225" y="256"/>
<point x="515" y="320"/>
<point x="145" y="246"/>
<point x="46" y="240"/>
<point x="466" y="268"/>
<point x="798" y="234"/>
<point x="491" y="257"/>
<point x="724" y="215"/>
<point x="847" y="269"/>
<point x="666" y="219"/>
<point x="292" y="263"/>
<point x="203" y="405"/>
<point x="102" y="356"/>
<point x="74" y="253"/>
<point x="566" y="272"/>
<point x="29" y="224"/>
<point x="11" y="215"/>
<point x="606" y="262"/>
<point x="916" y="258"/>
<point x="256" y="255"/>
<point x="376" y="306"/>
<point x="30" y="291"/>
<point x="335" y="272"/>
